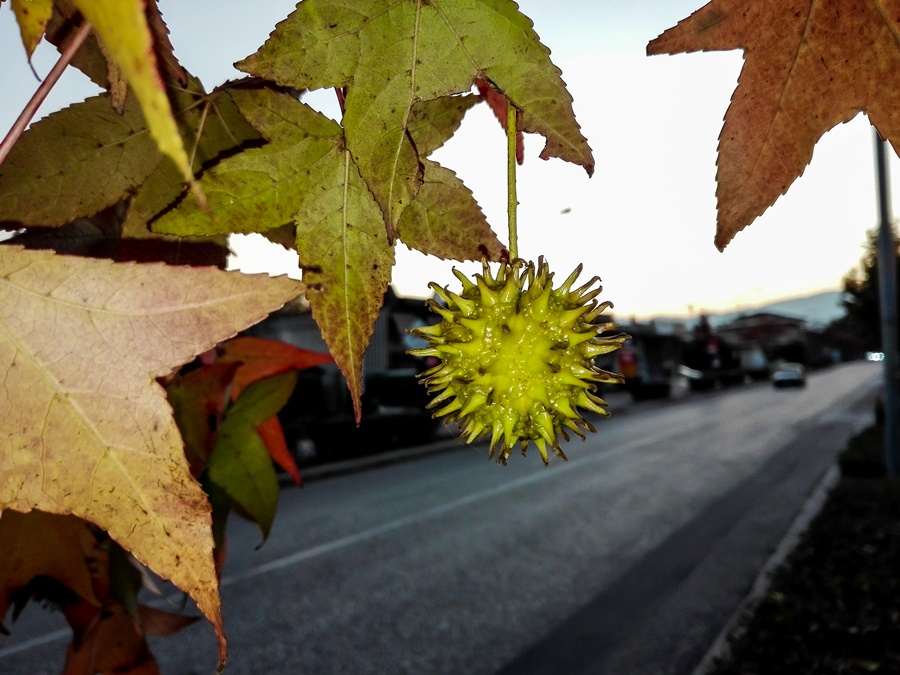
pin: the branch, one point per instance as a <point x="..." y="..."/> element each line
<point x="31" y="108"/>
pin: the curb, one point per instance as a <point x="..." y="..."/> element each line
<point x="451" y="441"/>
<point x="720" y="647"/>
<point x="322" y="471"/>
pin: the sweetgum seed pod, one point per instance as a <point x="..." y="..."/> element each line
<point x="517" y="357"/>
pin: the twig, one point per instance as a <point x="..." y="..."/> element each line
<point x="31" y="108"/>
<point x="341" y="93"/>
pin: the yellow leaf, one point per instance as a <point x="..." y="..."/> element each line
<point x="88" y="430"/>
<point x="121" y="26"/>
<point x="32" y="16"/>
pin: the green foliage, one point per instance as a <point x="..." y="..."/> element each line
<point x="442" y="198"/>
<point x="239" y="462"/>
<point x="862" y="296"/>
<point x="263" y="188"/>
<point x="212" y="127"/>
<point x="52" y="175"/>
<point x="96" y="339"/>
<point x="391" y="55"/>
<point x="304" y="175"/>
<point x="87" y="157"/>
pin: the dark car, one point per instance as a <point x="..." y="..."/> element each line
<point x="789" y="375"/>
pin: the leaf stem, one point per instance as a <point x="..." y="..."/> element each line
<point x="341" y="93"/>
<point x="31" y="108"/>
<point x="512" y="199"/>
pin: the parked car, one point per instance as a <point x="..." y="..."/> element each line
<point x="789" y="375"/>
<point x="318" y="420"/>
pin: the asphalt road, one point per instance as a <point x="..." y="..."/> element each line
<point x="627" y="559"/>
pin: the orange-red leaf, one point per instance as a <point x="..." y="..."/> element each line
<point x="500" y="107"/>
<point x="808" y="66"/>
<point x="261" y="358"/>
<point x="272" y="436"/>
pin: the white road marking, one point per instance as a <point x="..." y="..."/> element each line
<point x="365" y="535"/>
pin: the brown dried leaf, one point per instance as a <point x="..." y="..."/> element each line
<point x="38" y="544"/>
<point x="115" y="643"/>
<point x="808" y="67"/>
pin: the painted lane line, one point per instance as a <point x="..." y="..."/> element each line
<point x="365" y="535"/>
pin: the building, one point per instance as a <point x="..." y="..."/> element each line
<point x="776" y="336"/>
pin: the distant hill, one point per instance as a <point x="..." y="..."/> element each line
<point x="818" y="310"/>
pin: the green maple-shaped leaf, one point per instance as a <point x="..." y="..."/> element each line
<point x="443" y="199"/>
<point x="75" y="163"/>
<point x="444" y="220"/>
<point x="347" y="269"/>
<point x="392" y="54"/>
<point x="263" y="188"/>
<point x="212" y="126"/>
<point x="432" y="123"/>
<point x="86" y="157"/>
<point x="240" y="462"/>
<point x="304" y="176"/>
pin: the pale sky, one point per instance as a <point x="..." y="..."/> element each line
<point x="644" y="223"/>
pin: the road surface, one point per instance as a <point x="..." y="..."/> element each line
<point x="628" y="558"/>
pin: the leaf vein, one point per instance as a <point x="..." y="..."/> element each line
<point x="346" y="261"/>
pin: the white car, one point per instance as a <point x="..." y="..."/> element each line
<point x="789" y="375"/>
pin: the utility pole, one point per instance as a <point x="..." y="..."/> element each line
<point x="887" y="284"/>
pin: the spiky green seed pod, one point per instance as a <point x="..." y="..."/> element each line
<point x="517" y="357"/>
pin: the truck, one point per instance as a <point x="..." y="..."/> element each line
<point x="649" y="362"/>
